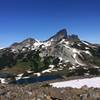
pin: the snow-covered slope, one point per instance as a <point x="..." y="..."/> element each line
<point x="79" y="83"/>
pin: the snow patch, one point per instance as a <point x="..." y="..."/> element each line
<point x="28" y="45"/>
<point x="87" y="48"/>
<point x="60" y="69"/>
<point x="67" y="42"/>
<point x="23" y="49"/>
<point x="28" y="71"/>
<point x="74" y="56"/>
<point x="2" y="80"/>
<point x="79" y="45"/>
<point x="78" y="83"/>
<point x="52" y="66"/>
<point x="48" y="70"/>
<point x="19" y="76"/>
<point x="60" y="58"/>
<point x="38" y="74"/>
<point x="71" y="68"/>
<point x="13" y="50"/>
<point x="37" y="44"/>
<point x="66" y="61"/>
<point x="76" y="51"/>
<point x="48" y="43"/>
<point x="85" y="43"/>
<point x="62" y="41"/>
<point x="26" y="77"/>
<point x="86" y="74"/>
<point x="88" y="52"/>
<point x="67" y="46"/>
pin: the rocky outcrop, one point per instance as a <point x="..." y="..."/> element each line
<point x="59" y="35"/>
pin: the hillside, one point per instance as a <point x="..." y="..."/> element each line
<point x="61" y="55"/>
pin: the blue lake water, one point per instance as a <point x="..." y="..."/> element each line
<point x="37" y="79"/>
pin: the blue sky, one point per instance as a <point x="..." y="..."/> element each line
<point x="20" y="19"/>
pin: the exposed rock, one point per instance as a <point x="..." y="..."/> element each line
<point x="59" y="35"/>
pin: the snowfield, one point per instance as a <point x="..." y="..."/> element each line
<point x="89" y="82"/>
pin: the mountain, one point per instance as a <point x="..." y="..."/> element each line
<point x="27" y="43"/>
<point x="59" y="35"/>
<point x="61" y="54"/>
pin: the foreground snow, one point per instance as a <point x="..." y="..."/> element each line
<point x="89" y="82"/>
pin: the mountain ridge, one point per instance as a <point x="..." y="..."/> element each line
<point x="59" y="54"/>
<point x="60" y="34"/>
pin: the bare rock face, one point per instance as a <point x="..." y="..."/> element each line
<point x="59" y="35"/>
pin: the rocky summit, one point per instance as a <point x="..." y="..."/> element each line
<point x="59" y="35"/>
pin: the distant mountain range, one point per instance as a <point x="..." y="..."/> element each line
<point x="61" y="54"/>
